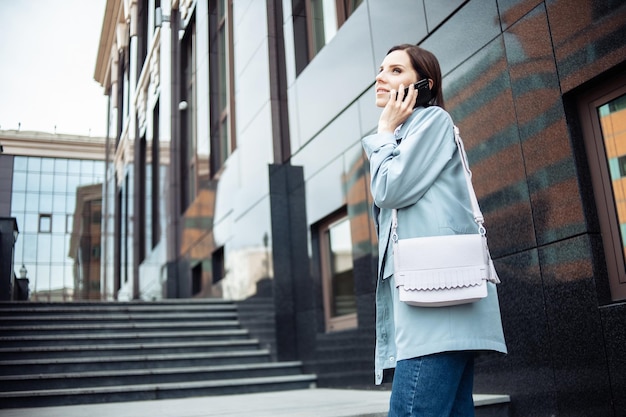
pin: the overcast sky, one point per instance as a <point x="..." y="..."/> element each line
<point x="48" y="55"/>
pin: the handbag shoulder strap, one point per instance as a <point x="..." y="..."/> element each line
<point x="478" y="215"/>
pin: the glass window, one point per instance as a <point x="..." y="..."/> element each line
<point x="32" y="182"/>
<point x="30" y="247"/>
<point x="20" y="163"/>
<point x="58" y="204"/>
<point x="60" y="166"/>
<point x="222" y="140"/>
<point x="45" y="202"/>
<point x="45" y="223"/>
<point x="34" y="164"/>
<point x="337" y="273"/>
<point x="323" y="23"/>
<point x="73" y="166"/>
<point x="60" y="183"/>
<point x="19" y="181"/>
<point x="31" y="222"/>
<point x="603" y="116"/>
<point x="47" y="181"/>
<point x="86" y="168"/>
<point x="47" y="165"/>
<point x="58" y="248"/>
<point x="43" y="248"/>
<point x="18" y="202"/>
<point x="73" y="181"/>
<point x="315" y="23"/>
<point x="58" y="223"/>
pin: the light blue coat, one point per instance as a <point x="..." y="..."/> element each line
<point x="423" y="177"/>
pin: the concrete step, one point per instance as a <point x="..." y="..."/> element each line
<point x="112" y="350"/>
<point x="92" y="364"/>
<point x="69" y="380"/>
<point x="83" y="353"/>
<point x="58" y="319"/>
<point x="117" y="338"/>
<point x="22" y="309"/>
<point x="125" y="326"/>
<point x="56" y="397"/>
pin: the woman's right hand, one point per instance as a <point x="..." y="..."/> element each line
<point x="397" y="109"/>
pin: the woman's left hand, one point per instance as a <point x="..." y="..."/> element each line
<point x="397" y="109"/>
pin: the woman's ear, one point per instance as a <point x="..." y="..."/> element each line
<point x="430" y="84"/>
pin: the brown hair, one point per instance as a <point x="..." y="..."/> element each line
<point x="427" y="66"/>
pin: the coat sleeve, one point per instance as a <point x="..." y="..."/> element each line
<point x="402" y="174"/>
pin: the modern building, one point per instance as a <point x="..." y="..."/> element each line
<point x="43" y="174"/>
<point x="236" y="171"/>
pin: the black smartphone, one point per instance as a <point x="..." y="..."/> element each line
<point x="423" y="92"/>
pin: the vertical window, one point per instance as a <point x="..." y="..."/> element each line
<point x="337" y="273"/>
<point x="317" y="22"/>
<point x="188" y="116"/>
<point x="141" y="199"/>
<point x="221" y="83"/>
<point x="603" y="116"/>
<point x="45" y="223"/>
<point x="142" y="32"/>
<point x="121" y="90"/>
<point x="155" y="177"/>
<point x="217" y="267"/>
<point x="196" y="279"/>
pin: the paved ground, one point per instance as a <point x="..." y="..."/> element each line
<point x="298" y="403"/>
<point x="319" y="402"/>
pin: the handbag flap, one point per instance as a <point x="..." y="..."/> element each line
<point x="451" y="261"/>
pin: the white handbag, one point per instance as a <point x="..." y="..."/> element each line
<point x="446" y="270"/>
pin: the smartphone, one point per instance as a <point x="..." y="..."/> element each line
<point x="423" y="92"/>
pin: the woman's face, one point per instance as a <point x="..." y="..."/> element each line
<point x="395" y="69"/>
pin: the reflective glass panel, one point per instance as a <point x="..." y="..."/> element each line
<point x="34" y="164"/>
<point x="31" y="222"/>
<point x="19" y="181"/>
<point x="45" y="203"/>
<point x="18" y="202"/>
<point x="60" y="166"/>
<point x="58" y="204"/>
<point x="60" y="183"/>
<point x="58" y="248"/>
<point x="47" y="165"/>
<point x="340" y="244"/>
<point x="58" y="223"/>
<point x="30" y="247"/>
<point x="612" y="117"/>
<point x="73" y="166"/>
<point x="72" y="183"/>
<point x="32" y="183"/>
<point x="43" y="248"/>
<point x="20" y="163"/>
<point x="47" y="181"/>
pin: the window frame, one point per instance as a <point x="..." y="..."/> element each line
<point x="343" y="10"/>
<point x="42" y="216"/>
<point x="601" y="181"/>
<point x="223" y="140"/>
<point x="333" y="323"/>
<point x="188" y="123"/>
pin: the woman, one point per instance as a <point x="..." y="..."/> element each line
<point x="416" y="168"/>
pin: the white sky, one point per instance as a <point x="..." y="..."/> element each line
<point x="48" y="52"/>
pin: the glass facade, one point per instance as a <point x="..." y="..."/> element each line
<point x="43" y="202"/>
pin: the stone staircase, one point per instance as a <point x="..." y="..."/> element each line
<point x="79" y="353"/>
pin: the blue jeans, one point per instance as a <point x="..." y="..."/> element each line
<point x="438" y="385"/>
